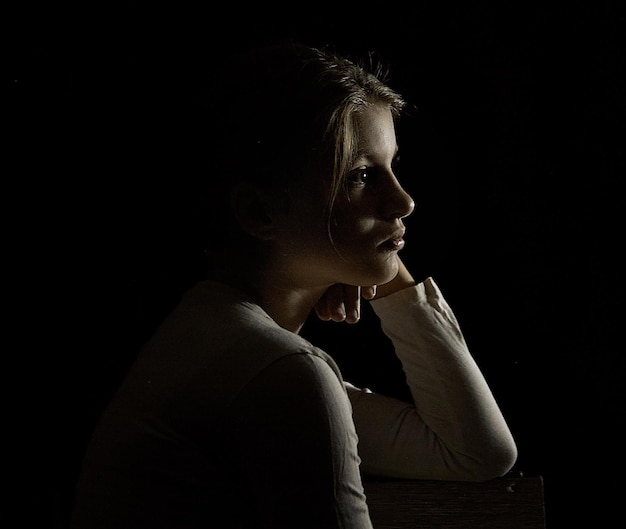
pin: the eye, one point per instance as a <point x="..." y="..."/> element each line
<point x="358" y="177"/>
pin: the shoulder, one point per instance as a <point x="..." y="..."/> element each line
<point x="285" y="354"/>
<point x="218" y="331"/>
<point x="296" y="393"/>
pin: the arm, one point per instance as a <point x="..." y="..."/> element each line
<point x="296" y="444"/>
<point x="455" y="429"/>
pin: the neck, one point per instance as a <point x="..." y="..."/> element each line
<point x="289" y="304"/>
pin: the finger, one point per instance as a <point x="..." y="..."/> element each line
<point x="352" y="303"/>
<point x="336" y="305"/>
<point x="321" y="309"/>
<point x="368" y="292"/>
<point x="334" y="300"/>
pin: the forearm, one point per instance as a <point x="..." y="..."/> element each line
<point x="456" y="413"/>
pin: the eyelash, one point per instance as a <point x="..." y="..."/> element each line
<point x="359" y="177"/>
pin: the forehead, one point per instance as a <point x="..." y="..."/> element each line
<point x="376" y="132"/>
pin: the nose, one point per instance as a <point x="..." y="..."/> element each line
<point x="397" y="203"/>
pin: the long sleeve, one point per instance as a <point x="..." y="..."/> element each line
<point x="224" y="420"/>
<point x="293" y="439"/>
<point x="455" y="429"/>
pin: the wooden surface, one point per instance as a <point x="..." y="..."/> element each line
<point x="511" y="502"/>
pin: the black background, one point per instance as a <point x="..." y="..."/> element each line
<point x="515" y="158"/>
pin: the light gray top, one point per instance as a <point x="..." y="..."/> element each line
<point x="228" y="420"/>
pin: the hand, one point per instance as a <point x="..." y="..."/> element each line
<point x="343" y="302"/>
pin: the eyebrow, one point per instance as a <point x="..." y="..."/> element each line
<point x="364" y="154"/>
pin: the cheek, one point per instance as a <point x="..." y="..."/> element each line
<point x="307" y="225"/>
<point x="352" y="230"/>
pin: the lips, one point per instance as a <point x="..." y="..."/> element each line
<point x="394" y="243"/>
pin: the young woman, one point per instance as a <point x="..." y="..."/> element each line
<point x="229" y="418"/>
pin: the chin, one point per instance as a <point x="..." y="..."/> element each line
<point x="388" y="278"/>
<point x="386" y="274"/>
<point x="382" y="269"/>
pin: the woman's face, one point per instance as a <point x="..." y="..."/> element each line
<point x="366" y="228"/>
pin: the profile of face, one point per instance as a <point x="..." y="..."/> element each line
<point x="366" y="230"/>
